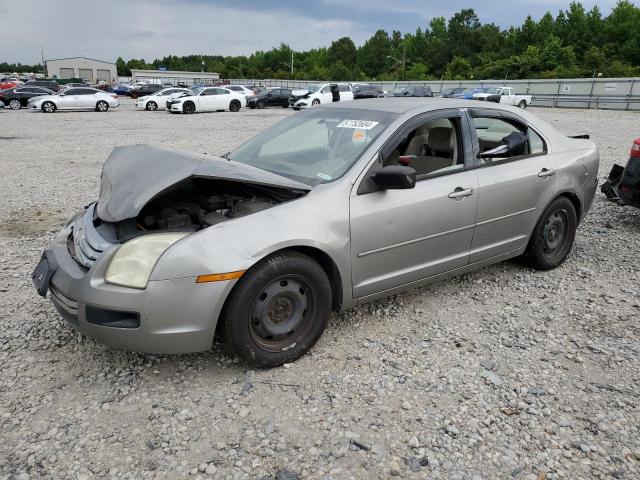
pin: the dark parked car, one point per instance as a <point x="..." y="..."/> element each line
<point x="451" y="92"/>
<point x="147" y="89"/>
<point x="48" y="84"/>
<point x="414" y="91"/>
<point x="18" y="97"/>
<point x="623" y="184"/>
<point x="364" y="90"/>
<point x="278" y="97"/>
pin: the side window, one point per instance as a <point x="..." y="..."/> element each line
<point x="343" y="88"/>
<point x="435" y="146"/>
<point x="286" y="93"/>
<point x="492" y="133"/>
<point x="326" y="89"/>
<point x="85" y="91"/>
<point x="73" y="91"/>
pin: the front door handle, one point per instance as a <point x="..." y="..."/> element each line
<point x="546" y="173"/>
<point x="461" y="192"/>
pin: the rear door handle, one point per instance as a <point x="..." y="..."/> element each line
<point x="461" y="192"/>
<point x="546" y="173"/>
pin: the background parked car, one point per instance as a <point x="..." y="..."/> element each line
<point x="414" y="91"/>
<point x="319" y="94"/>
<point x="505" y="95"/>
<point x="48" y="84"/>
<point x="18" y="97"/>
<point x="623" y="183"/>
<point x="9" y="82"/>
<point x="158" y="100"/>
<point x="451" y="92"/>
<point x="207" y="99"/>
<point x="468" y="93"/>
<point x="243" y="89"/>
<point x="365" y="90"/>
<point x="75" y="99"/>
<point x="146" y="89"/>
<point x="122" y="89"/>
<point x="278" y="97"/>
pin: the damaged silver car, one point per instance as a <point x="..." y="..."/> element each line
<point x="327" y="209"/>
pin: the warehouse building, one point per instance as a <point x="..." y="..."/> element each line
<point x="82" y="67"/>
<point x="174" y="77"/>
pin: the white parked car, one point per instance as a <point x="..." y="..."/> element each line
<point x="315" y="95"/>
<point x="75" y="98"/>
<point x="506" y="95"/>
<point x="158" y="100"/>
<point x="243" y="89"/>
<point x="206" y="99"/>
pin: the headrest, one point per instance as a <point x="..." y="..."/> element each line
<point x="441" y="140"/>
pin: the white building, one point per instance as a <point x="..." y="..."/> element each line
<point x="81" y="67"/>
<point x="174" y="77"/>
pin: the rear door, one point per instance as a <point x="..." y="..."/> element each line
<point x="513" y="189"/>
<point x="274" y="97"/>
<point x="284" y="97"/>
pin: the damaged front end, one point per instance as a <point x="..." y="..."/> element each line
<point x="623" y="184"/>
<point x="146" y="190"/>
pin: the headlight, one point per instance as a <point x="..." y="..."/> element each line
<point x="132" y="264"/>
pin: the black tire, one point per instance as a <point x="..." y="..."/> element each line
<point x="151" y="106"/>
<point x="252" y="106"/>
<point x="189" y="107"/>
<point x="102" y="106"/>
<point x="260" y="104"/>
<point x="523" y="104"/>
<point x="315" y="103"/>
<point x="15" y="104"/>
<point x="235" y="105"/>
<point x="277" y="310"/>
<point x="553" y="237"/>
<point x="48" y="107"/>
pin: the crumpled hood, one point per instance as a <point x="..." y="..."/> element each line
<point x="134" y="175"/>
<point x="299" y="92"/>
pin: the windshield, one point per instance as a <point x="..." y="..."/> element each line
<point x="313" y="88"/>
<point x="194" y="91"/>
<point x="316" y="146"/>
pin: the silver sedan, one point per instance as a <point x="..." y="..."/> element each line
<point x="329" y="208"/>
<point x="74" y="98"/>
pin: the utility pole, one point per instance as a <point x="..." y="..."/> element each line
<point x="292" y="63"/>
<point x="44" y="65"/>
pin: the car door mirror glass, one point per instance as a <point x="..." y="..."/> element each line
<point x="394" y="177"/>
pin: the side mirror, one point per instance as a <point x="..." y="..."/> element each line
<point x="513" y="145"/>
<point x="395" y="177"/>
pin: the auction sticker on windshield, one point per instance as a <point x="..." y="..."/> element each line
<point x="362" y="124"/>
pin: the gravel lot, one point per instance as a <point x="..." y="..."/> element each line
<point x="502" y="373"/>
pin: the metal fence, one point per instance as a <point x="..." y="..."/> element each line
<point x="605" y="93"/>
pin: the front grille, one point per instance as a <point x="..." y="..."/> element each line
<point x="88" y="244"/>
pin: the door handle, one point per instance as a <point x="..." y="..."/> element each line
<point x="461" y="192"/>
<point x="546" y="173"/>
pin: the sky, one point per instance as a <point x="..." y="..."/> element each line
<point x="151" y="29"/>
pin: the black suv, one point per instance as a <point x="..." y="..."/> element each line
<point x="414" y="91"/>
<point x="146" y="89"/>
<point x="364" y="90"/>
<point x="18" y="97"/>
<point x="48" y="84"/>
<point x="278" y="97"/>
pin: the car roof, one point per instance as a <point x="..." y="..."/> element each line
<point x="403" y="104"/>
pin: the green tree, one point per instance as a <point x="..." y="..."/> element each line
<point x="343" y="50"/>
<point x="458" y="69"/>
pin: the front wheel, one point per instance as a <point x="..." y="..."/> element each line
<point x="102" y="106"/>
<point x="315" y="103"/>
<point x="277" y="310"/>
<point x="15" y="104"/>
<point x="234" y="106"/>
<point x="523" y="104"/>
<point x="260" y="105"/>
<point x="151" y="106"/>
<point x="48" y="107"/>
<point x="553" y="235"/>
<point x="189" y="107"/>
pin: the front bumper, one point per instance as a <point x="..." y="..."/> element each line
<point x="175" y="316"/>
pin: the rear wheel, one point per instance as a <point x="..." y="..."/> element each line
<point x="277" y="310"/>
<point x="189" y="107"/>
<point x="553" y="236"/>
<point x="15" y="104"/>
<point x="151" y="106"/>
<point x="260" y="104"/>
<point x="523" y="104"/>
<point x="102" y="106"/>
<point x="48" y="107"/>
<point x="234" y="106"/>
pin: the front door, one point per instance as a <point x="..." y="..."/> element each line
<point x="403" y="236"/>
<point x="513" y="189"/>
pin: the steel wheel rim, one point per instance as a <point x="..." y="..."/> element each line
<point x="281" y="314"/>
<point x="102" y="106"/>
<point x="152" y="106"/>
<point x="554" y="232"/>
<point x="15" y="104"/>
<point x="48" y="107"/>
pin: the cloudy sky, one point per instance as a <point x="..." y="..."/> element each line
<point x="154" y="28"/>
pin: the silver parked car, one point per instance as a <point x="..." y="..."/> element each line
<point x="74" y="98"/>
<point x="327" y="209"/>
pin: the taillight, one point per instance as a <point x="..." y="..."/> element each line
<point x="635" y="148"/>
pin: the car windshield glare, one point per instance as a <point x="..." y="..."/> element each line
<point x="317" y="146"/>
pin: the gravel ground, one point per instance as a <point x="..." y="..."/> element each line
<point x="501" y="373"/>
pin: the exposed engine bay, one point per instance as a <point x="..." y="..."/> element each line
<point x="195" y="204"/>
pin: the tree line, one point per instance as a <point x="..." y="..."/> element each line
<point x="575" y="43"/>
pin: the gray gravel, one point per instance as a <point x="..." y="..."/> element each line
<point x="501" y="373"/>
